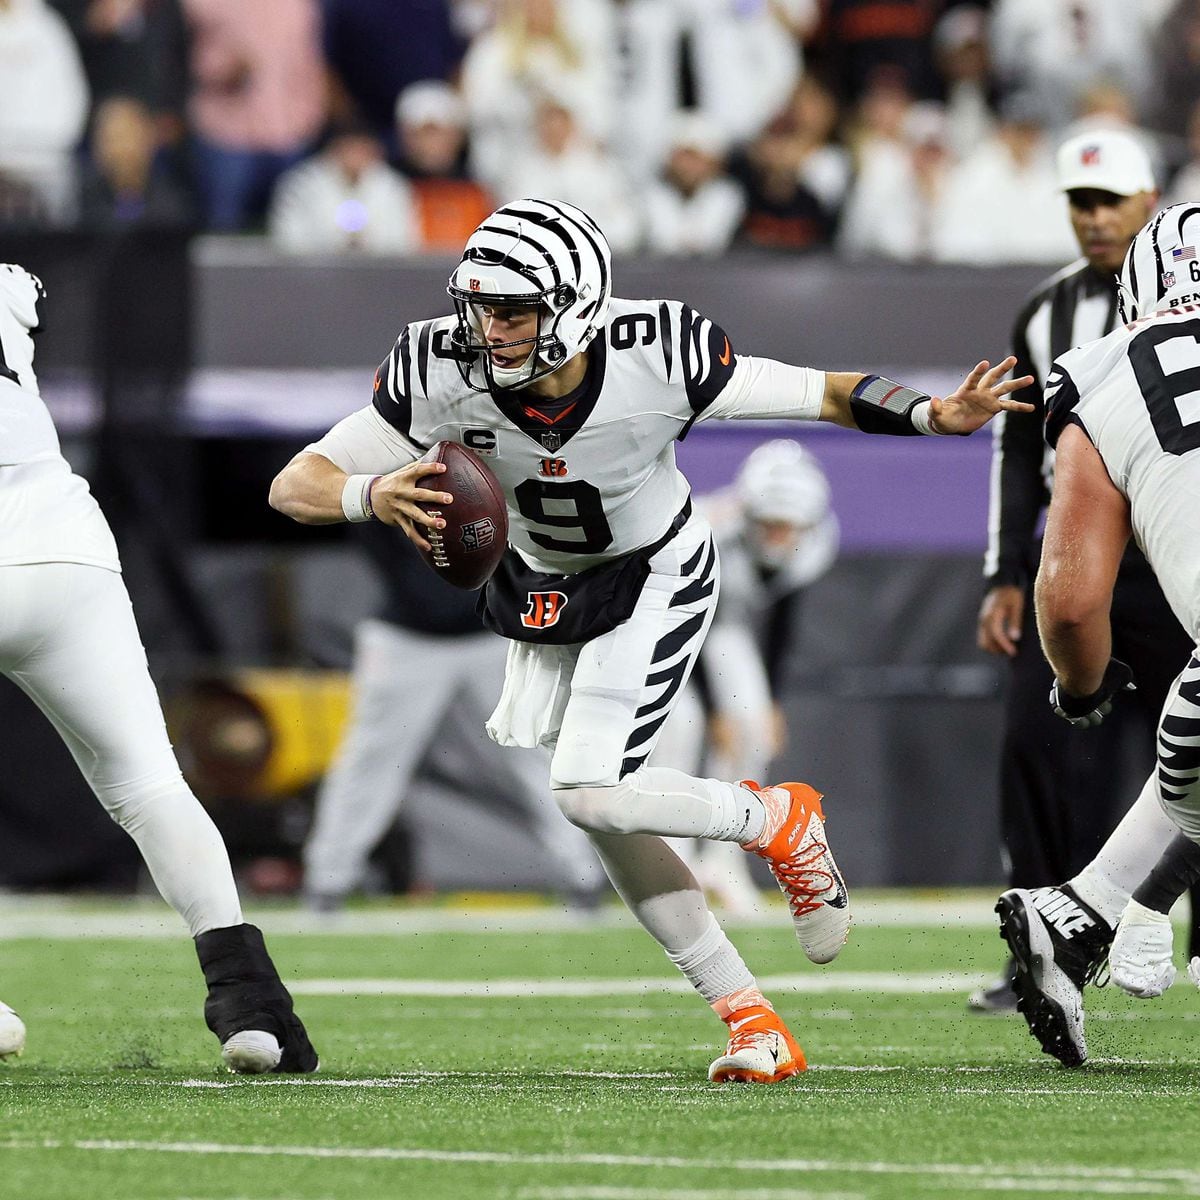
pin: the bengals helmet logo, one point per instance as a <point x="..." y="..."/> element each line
<point x="544" y="610"/>
<point x="474" y="285"/>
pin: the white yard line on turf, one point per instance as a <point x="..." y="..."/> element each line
<point x="1056" y="1177"/>
<point x="22" y="917"/>
<point x="875" y="982"/>
<point x="641" y="1193"/>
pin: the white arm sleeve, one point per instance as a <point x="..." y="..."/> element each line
<point x="365" y="444"/>
<point x="763" y="389"/>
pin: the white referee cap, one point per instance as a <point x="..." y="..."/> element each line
<point x="1110" y="160"/>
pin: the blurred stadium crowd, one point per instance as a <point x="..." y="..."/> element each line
<point x="912" y="130"/>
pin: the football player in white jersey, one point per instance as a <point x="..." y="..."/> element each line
<point x="574" y="399"/>
<point x="68" y="639"/>
<point x="1121" y="413"/>
<point x="776" y="534"/>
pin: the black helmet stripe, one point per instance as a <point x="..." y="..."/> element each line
<point x="525" y="240"/>
<point x="559" y="218"/>
<point x="498" y="258"/>
<point x="554" y="226"/>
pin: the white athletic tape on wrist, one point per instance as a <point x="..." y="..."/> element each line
<point x="356" y="498"/>
<point x="922" y="418"/>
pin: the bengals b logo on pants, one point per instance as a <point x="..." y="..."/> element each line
<point x="544" y="610"/>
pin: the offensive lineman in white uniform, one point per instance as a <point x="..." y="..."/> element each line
<point x="68" y="639"/>
<point x="574" y="400"/>
<point x="1121" y="415"/>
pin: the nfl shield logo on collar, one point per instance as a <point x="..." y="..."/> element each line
<point x="552" y="441"/>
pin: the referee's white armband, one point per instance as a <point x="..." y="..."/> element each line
<point x="356" y="497"/>
<point x="765" y="389"/>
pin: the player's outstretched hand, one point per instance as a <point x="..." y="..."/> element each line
<point x="396" y="500"/>
<point x="979" y="398"/>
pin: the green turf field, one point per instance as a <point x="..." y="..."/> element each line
<point x="518" y="1056"/>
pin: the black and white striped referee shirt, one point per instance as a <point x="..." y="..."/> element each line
<point x="1076" y="305"/>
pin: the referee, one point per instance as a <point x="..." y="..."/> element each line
<point x="1062" y="790"/>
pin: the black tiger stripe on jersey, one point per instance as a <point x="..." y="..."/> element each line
<point x="423" y="340"/>
<point x="1179" y="739"/>
<point x="706" y="357"/>
<point x="393" y="398"/>
<point x="1062" y="397"/>
<point x="665" y="337"/>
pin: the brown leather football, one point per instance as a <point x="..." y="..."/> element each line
<point x="468" y="550"/>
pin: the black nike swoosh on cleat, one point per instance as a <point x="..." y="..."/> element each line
<point x="842" y="898"/>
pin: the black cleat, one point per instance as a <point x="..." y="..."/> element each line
<point x="1058" y="946"/>
<point x="247" y="1004"/>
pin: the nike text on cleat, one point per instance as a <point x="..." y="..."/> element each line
<point x="1140" y="958"/>
<point x="1058" y="946"/>
<point x="251" y="1052"/>
<point x="803" y="866"/>
<point x="760" y="1050"/>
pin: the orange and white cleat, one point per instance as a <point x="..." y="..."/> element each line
<point x="799" y="857"/>
<point x="760" y="1050"/>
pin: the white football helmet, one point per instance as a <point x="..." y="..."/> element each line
<point x="781" y="481"/>
<point x="531" y="252"/>
<point x="1162" y="265"/>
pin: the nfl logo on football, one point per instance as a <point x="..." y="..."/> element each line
<point x="478" y="534"/>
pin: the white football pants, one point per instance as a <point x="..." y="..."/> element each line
<point x="421" y="695"/>
<point x="69" y="640"/>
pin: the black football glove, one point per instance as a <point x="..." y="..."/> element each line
<point x="1086" y="711"/>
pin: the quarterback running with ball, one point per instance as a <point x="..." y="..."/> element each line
<point x="574" y="399"/>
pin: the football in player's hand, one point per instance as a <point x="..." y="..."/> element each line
<point x="468" y="550"/>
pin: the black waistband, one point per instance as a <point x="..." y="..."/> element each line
<point x="681" y="519"/>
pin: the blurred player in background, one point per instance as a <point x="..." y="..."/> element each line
<point x="1060" y="791"/>
<point x="1121" y="416"/>
<point x="68" y="639"/>
<point x="776" y="535"/>
<point x="428" y="630"/>
<point x="574" y="399"/>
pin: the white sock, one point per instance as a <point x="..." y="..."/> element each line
<point x="184" y="852"/>
<point x="713" y="965"/>
<point x="1133" y="848"/>
<point x="681" y="805"/>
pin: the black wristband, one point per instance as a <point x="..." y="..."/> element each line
<point x="880" y="405"/>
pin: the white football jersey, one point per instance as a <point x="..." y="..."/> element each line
<point x="592" y="476"/>
<point x="47" y="513"/>
<point x="1136" y="394"/>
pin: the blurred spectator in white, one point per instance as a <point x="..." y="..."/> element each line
<point x="377" y="48"/>
<point x="1185" y="186"/>
<point x="794" y="175"/>
<point x="567" y="165"/>
<point x="1002" y="203"/>
<point x="695" y="208"/>
<point x="961" y="53"/>
<point x="126" y="181"/>
<point x="1176" y="69"/>
<point x="346" y="198"/>
<point x="431" y="131"/>
<point x="900" y="183"/>
<point x="744" y="58"/>
<point x="1056" y="49"/>
<point x="733" y="60"/>
<point x="536" y="47"/>
<point x="43" y="106"/>
<point x="258" y="100"/>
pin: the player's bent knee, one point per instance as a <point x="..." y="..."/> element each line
<point x="602" y="808"/>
